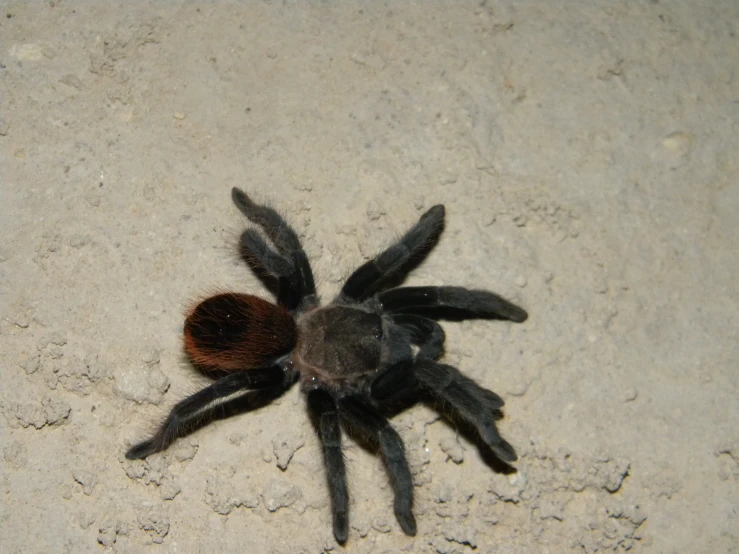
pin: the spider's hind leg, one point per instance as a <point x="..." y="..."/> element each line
<point x="207" y="405"/>
<point x="475" y="404"/>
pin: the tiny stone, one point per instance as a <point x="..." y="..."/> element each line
<point x="142" y="384"/>
<point x="55" y="410"/>
<point x="362" y="527"/>
<point x="285" y="449"/>
<point x="31" y="364"/>
<point x="151" y="356"/>
<point x="48" y="52"/>
<point x="179" y="115"/>
<point x="56" y="353"/>
<point x="279" y="494"/>
<point x="462" y="535"/>
<point x="452" y="449"/>
<point x="630" y="394"/>
<point x="169" y="490"/>
<point x="87" y="479"/>
<point x="93" y="199"/>
<point x="22" y="321"/>
<point x="678" y="142"/>
<point x="86" y="519"/>
<point x="381" y="525"/>
<point x="521" y="281"/>
<point x="15" y="455"/>
<point x="78" y="241"/>
<point x="518" y="389"/>
<point x="71" y="80"/>
<point x="374" y="211"/>
<point x="520" y="220"/>
<point x="448" y="178"/>
<point x="443" y="495"/>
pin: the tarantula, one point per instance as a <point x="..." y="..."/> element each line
<point x="370" y="348"/>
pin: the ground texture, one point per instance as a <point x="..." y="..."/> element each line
<point x="587" y="156"/>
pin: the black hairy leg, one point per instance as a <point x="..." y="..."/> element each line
<point x="473" y="403"/>
<point x="371" y="275"/>
<point x="392" y="387"/>
<point x="398" y="381"/>
<point x="289" y="265"/>
<point x="361" y="417"/>
<point x="425" y="333"/>
<point x="326" y="416"/>
<point x="453" y="302"/>
<point x="203" y="407"/>
<point x="276" y="272"/>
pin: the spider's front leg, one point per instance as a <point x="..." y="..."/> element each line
<point x="370" y="276"/>
<point x="289" y="265"/>
<point x="436" y="302"/>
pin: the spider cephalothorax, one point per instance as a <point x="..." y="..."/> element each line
<point x="354" y="358"/>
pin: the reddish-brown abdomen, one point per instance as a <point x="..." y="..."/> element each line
<point x="232" y="332"/>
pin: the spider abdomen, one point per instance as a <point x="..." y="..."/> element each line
<point x="232" y="332"/>
<point x="341" y="342"/>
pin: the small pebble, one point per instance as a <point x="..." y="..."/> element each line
<point x="630" y="394"/>
<point x="71" y="80"/>
<point x="452" y="449"/>
<point x="280" y="494"/>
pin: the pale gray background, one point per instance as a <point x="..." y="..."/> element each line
<point x="587" y="156"/>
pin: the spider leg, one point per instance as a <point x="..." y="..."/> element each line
<point x="369" y="276"/>
<point x="394" y="383"/>
<point x="256" y="250"/>
<point x="425" y="333"/>
<point x="326" y="415"/>
<point x="475" y="404"/>
<point x="203" y="407"/>
<point x="398" y="381"/>
<point x="438" y="302"/>
<point x="362" y="417"/>
<point x="287" y="243"/>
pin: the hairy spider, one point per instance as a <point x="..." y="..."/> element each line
<point x="354" y="358"/>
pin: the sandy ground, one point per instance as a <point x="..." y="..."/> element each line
<point x="586" y="153"/>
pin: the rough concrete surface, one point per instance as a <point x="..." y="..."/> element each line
<point x="587" y="156"/>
